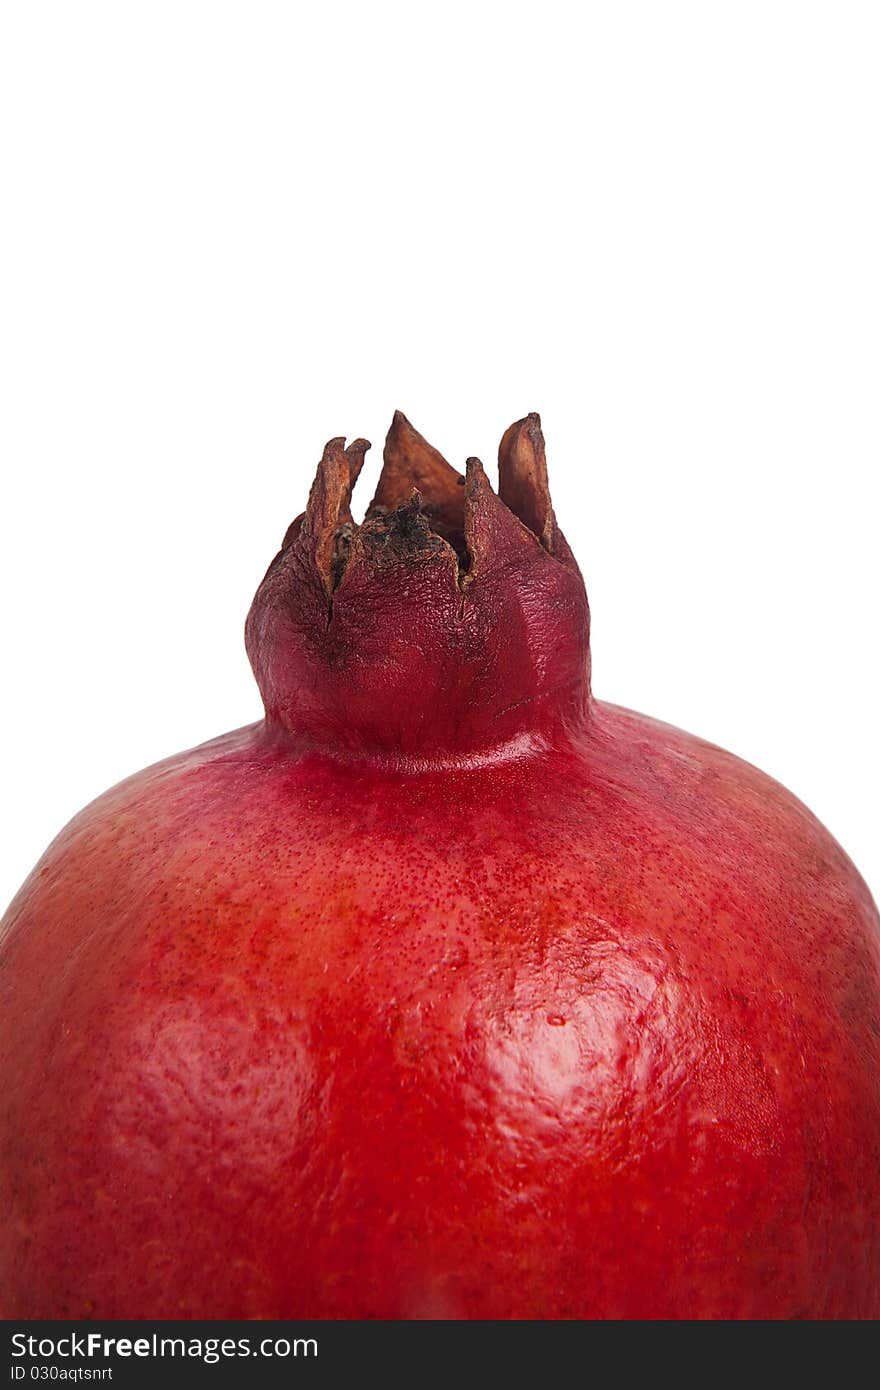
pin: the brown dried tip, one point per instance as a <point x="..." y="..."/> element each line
<point x="410" y="465"/>
<point x="492" y="532"/>
<point x="329" y="505"/>
<point x="422" y="501"/>
<point x="522" y="478"/>
<point x="478" y="490"/>
<point x="355" y="454"/>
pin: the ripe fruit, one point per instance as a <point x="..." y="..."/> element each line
<point x="448" y="991"/>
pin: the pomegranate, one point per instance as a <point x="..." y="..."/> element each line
<point x="445" y="991"/>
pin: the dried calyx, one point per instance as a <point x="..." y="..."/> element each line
<point x="422" y="503"/>
<point x="451" y="619"/>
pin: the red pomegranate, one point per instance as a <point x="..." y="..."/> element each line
<point x="446" y="991"/>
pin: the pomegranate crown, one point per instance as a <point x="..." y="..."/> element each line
<point x="453" y="621"/>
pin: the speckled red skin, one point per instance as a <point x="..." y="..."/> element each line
<point x="584" y="1025"/>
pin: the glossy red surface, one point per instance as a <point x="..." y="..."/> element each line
<point x="584" y="1023"/>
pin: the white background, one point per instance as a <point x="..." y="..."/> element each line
<point x="233" y="230"/>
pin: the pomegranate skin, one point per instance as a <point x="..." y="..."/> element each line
<point x="584" y="1024"/>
